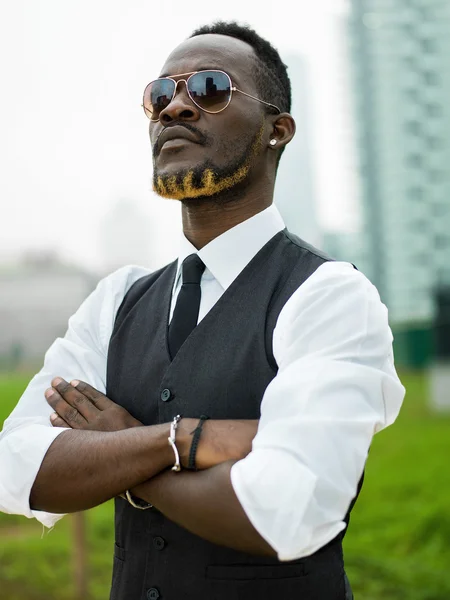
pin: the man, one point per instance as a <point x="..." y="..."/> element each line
<point x="291" y="349"/>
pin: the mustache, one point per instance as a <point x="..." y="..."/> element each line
<point x="202" y="138"/>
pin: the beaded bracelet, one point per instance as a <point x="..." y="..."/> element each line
<point x="195" y="441"/>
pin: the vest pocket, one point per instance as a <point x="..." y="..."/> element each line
<point x="252" y="572"/>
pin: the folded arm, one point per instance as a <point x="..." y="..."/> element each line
<point x="206" y="504"/>
<point x="106" y="451"/>
<point x="83" y="469"/>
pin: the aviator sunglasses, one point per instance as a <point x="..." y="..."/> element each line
<point x="210" y="90"/>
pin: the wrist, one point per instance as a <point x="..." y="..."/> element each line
<point x="158" y="447"/>
<point x="154" y="454"/>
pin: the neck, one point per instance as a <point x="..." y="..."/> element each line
<point x="205" y="220"/>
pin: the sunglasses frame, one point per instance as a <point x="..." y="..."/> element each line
<point x="191" y="74"/>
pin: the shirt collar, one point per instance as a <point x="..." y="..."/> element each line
<point x="228" y="254"/>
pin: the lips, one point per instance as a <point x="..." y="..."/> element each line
<point x="176" y="132"/>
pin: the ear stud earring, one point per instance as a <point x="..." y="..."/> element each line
<point x="273" y="142"/>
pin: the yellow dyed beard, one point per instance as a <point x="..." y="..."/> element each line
<point x="171" y="187"/>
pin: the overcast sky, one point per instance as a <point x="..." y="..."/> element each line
<point x="74" y="137"/>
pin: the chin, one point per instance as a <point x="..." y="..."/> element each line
<point x="177" y="168"/>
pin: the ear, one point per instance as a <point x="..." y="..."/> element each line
<point x="283" y="130"/>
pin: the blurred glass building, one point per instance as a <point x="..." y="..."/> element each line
<point x="400" y="54"/>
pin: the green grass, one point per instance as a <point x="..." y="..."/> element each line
<point x="397" y="546"/>
<point x="398" y="543"/>
<point x="37" y="564"/>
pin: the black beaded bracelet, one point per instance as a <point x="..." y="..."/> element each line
<point x="195" y="440"/>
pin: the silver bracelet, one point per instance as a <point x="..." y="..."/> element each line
<point x="171" y="439"/>
<point x="176" y="467"/>
<point x="134" y="501"/>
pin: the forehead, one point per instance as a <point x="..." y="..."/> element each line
<point x="212" y="51"/>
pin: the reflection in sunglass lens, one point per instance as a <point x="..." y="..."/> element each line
<point x="210" y="90"/>
<point x="157" y="96"/>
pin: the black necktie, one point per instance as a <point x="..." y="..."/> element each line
<point x="185" y="315"/>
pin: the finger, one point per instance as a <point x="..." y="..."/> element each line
<point x="68" y="413"/>
<point x="57" y="421"/>
<point x="75" y="398"/>
<point x="97" y="398"/>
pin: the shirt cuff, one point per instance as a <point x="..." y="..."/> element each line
<point x="275" y="490"/>
<point x="21" y="456"/>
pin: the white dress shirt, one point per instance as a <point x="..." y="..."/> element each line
<point x="335" y="388"/>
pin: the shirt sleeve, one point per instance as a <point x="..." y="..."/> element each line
<point x="335" y="388"/>
<point x="80" y="354"/>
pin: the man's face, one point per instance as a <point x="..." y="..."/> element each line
<point x="215" y="152"/>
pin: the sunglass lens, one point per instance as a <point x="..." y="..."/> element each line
<point x="157" y="96"/>
<point x="210" y="90"/>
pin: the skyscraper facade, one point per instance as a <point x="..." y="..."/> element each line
<point x="400" y="53"/>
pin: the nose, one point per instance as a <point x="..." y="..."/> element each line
<point x="181" y="107"/>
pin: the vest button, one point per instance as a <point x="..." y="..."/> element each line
<point x="166" y="395"/>
<point x="158" y="543"/>
<point x="153" y="594"/>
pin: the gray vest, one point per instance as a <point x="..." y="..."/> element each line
<point x="222" y="370"/>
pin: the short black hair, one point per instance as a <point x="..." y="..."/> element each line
<point x="271" y="75"/>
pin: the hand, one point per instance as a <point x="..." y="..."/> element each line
<point x="80" y="406"/>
